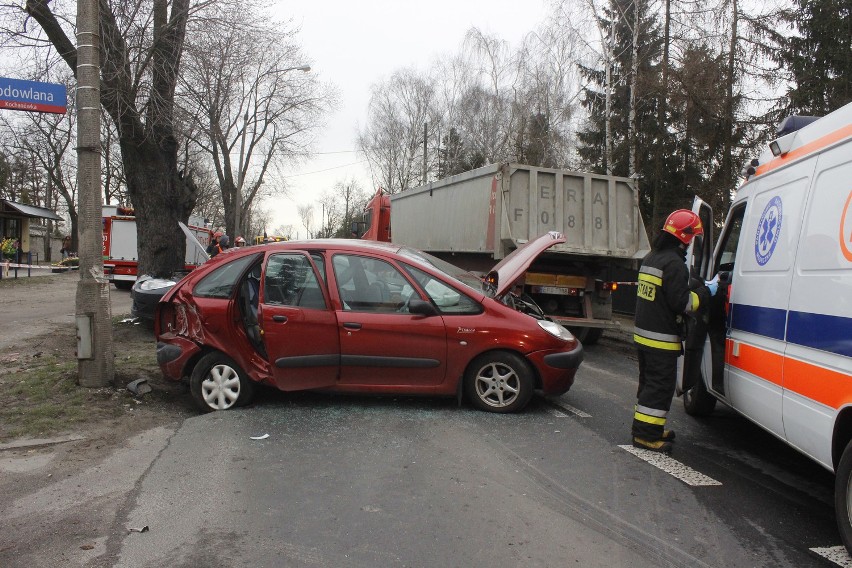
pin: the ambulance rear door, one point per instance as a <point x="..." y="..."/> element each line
<point x="818" y="363"/>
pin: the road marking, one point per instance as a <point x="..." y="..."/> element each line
<point x="672" y="467"/>
<point x="567" y="408"/>
<point x="836" y="554"/>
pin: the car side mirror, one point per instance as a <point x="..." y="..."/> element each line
<point x="421" y="308"/>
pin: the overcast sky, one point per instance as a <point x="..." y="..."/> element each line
<point x="354" y="45"/>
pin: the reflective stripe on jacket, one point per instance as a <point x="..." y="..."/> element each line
<point x="662" y="296"/>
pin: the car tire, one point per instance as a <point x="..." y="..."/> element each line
<point x="843" y="496"/>
<point x="218" y="383"/>
<point x="697" y="401"/>
<point x="593" y="336"/>
<point x="499" y="382"/>
<point x="123" y="285"/>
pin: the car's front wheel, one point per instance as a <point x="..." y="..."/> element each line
<point x="499" y="382"/>
<point x="843" y="496"/>
<point x="218" y="383"/>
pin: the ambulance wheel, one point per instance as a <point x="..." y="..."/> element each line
<point x="218" y="383"/>
<point x="123" y="284"/>
<point x="697" y="401"/>
<point x="843" y="497"/>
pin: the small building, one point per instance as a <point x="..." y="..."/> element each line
<point x="15" y="219"/>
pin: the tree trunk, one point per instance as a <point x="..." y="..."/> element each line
<point x="662" y="111"/>
<point x="161" y="196"/>
<point x="632" y="133"/>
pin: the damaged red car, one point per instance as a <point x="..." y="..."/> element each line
<point x="361" y="317"/>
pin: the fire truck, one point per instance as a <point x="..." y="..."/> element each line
<point x="119" y="245"/>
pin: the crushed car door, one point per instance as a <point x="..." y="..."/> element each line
<point x="299" y="328"/>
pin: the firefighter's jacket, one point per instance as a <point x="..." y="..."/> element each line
<point x="663" y="297"/>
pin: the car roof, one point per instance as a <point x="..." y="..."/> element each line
<point x="353" y="245"/>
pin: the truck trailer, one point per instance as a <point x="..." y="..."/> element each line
<point x="476" y="218"/>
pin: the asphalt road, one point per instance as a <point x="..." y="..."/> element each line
<point x="354" y="481"/>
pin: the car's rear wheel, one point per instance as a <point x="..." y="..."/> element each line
<point x="499" y="382"/>
<point x="218" y="383"/>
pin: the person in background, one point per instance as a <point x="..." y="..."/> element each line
<point x="240" y="241"/>
<point x="663" y="298"/>
<point x="213" y="248"/>
<point x="65" y="251"/>
<point x="224" y="243"/>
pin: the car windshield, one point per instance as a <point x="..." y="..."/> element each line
<point x="469" y="279"/>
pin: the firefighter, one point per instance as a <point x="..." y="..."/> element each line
<point x="663" y="298"/>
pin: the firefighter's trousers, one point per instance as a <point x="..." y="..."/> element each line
<point x="657" y="377"/>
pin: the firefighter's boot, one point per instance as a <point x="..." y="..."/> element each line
<point x="668" y="435"/>
<point x="660" y="446"/>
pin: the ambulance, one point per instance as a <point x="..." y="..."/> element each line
<point x="776" y="342"/>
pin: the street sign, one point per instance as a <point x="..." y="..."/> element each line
<point x="17" y="94"/>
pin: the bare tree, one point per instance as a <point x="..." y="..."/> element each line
<point x="141" y="48"/>
<point x="306" y="216"/>
<point x="248" y="101"/>
<point x="392" y="141"/>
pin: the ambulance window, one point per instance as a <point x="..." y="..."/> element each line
<point x="731" y="239"/>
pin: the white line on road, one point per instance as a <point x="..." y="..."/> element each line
<point x="672" y="467"/>
<point x="569" y="408"/>
<point x="836" y="554"/>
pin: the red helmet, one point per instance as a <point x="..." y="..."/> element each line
<point x="683" y="224"/>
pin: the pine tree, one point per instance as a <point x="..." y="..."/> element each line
<point x="820" y="57"/>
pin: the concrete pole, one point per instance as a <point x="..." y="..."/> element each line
<point x="95" y="357"/>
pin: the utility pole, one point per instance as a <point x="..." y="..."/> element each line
<point x="425" y="134"/>
<point x="95" y="357"/>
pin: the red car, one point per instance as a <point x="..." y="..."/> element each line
<point x="361" y="317"/>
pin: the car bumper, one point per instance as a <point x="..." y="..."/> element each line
<point x="174" y="354"/>
<point x="557" y="369"/>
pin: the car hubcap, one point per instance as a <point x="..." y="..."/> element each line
<point x="497" y="385"/>
<point x="221" y="388"/>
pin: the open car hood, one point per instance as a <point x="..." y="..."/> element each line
<point x="191" y="238"/>
<point x="508" y="270"/>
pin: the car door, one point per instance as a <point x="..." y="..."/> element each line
<point x="381" y="344"/>
<point x="299" y="326"/>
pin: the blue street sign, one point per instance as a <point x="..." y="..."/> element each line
<point x="17" y="94"/>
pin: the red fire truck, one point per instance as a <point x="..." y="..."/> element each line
<point x="119" y="247"/>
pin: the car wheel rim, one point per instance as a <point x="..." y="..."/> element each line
<point x="221" y="387"/>
<point x="497" y="385"/>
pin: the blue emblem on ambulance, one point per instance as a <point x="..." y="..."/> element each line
<point x="768" y="231"/>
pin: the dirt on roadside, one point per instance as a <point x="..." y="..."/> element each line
<point x="52" y="430"/>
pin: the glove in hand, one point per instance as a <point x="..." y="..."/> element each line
<point x="713" y="285"/>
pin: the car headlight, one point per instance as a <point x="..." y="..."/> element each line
<point x="555" y="329"/>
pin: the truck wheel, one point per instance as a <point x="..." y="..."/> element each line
<point x="123" y="284"/>
<point x="843" y="496"/>
<point x="697" y="401"/>
<point x="218" y="383"/>
<point x="593" y="336"/>
<point x="499" y="382"/>
<point x="586" y="335"/>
